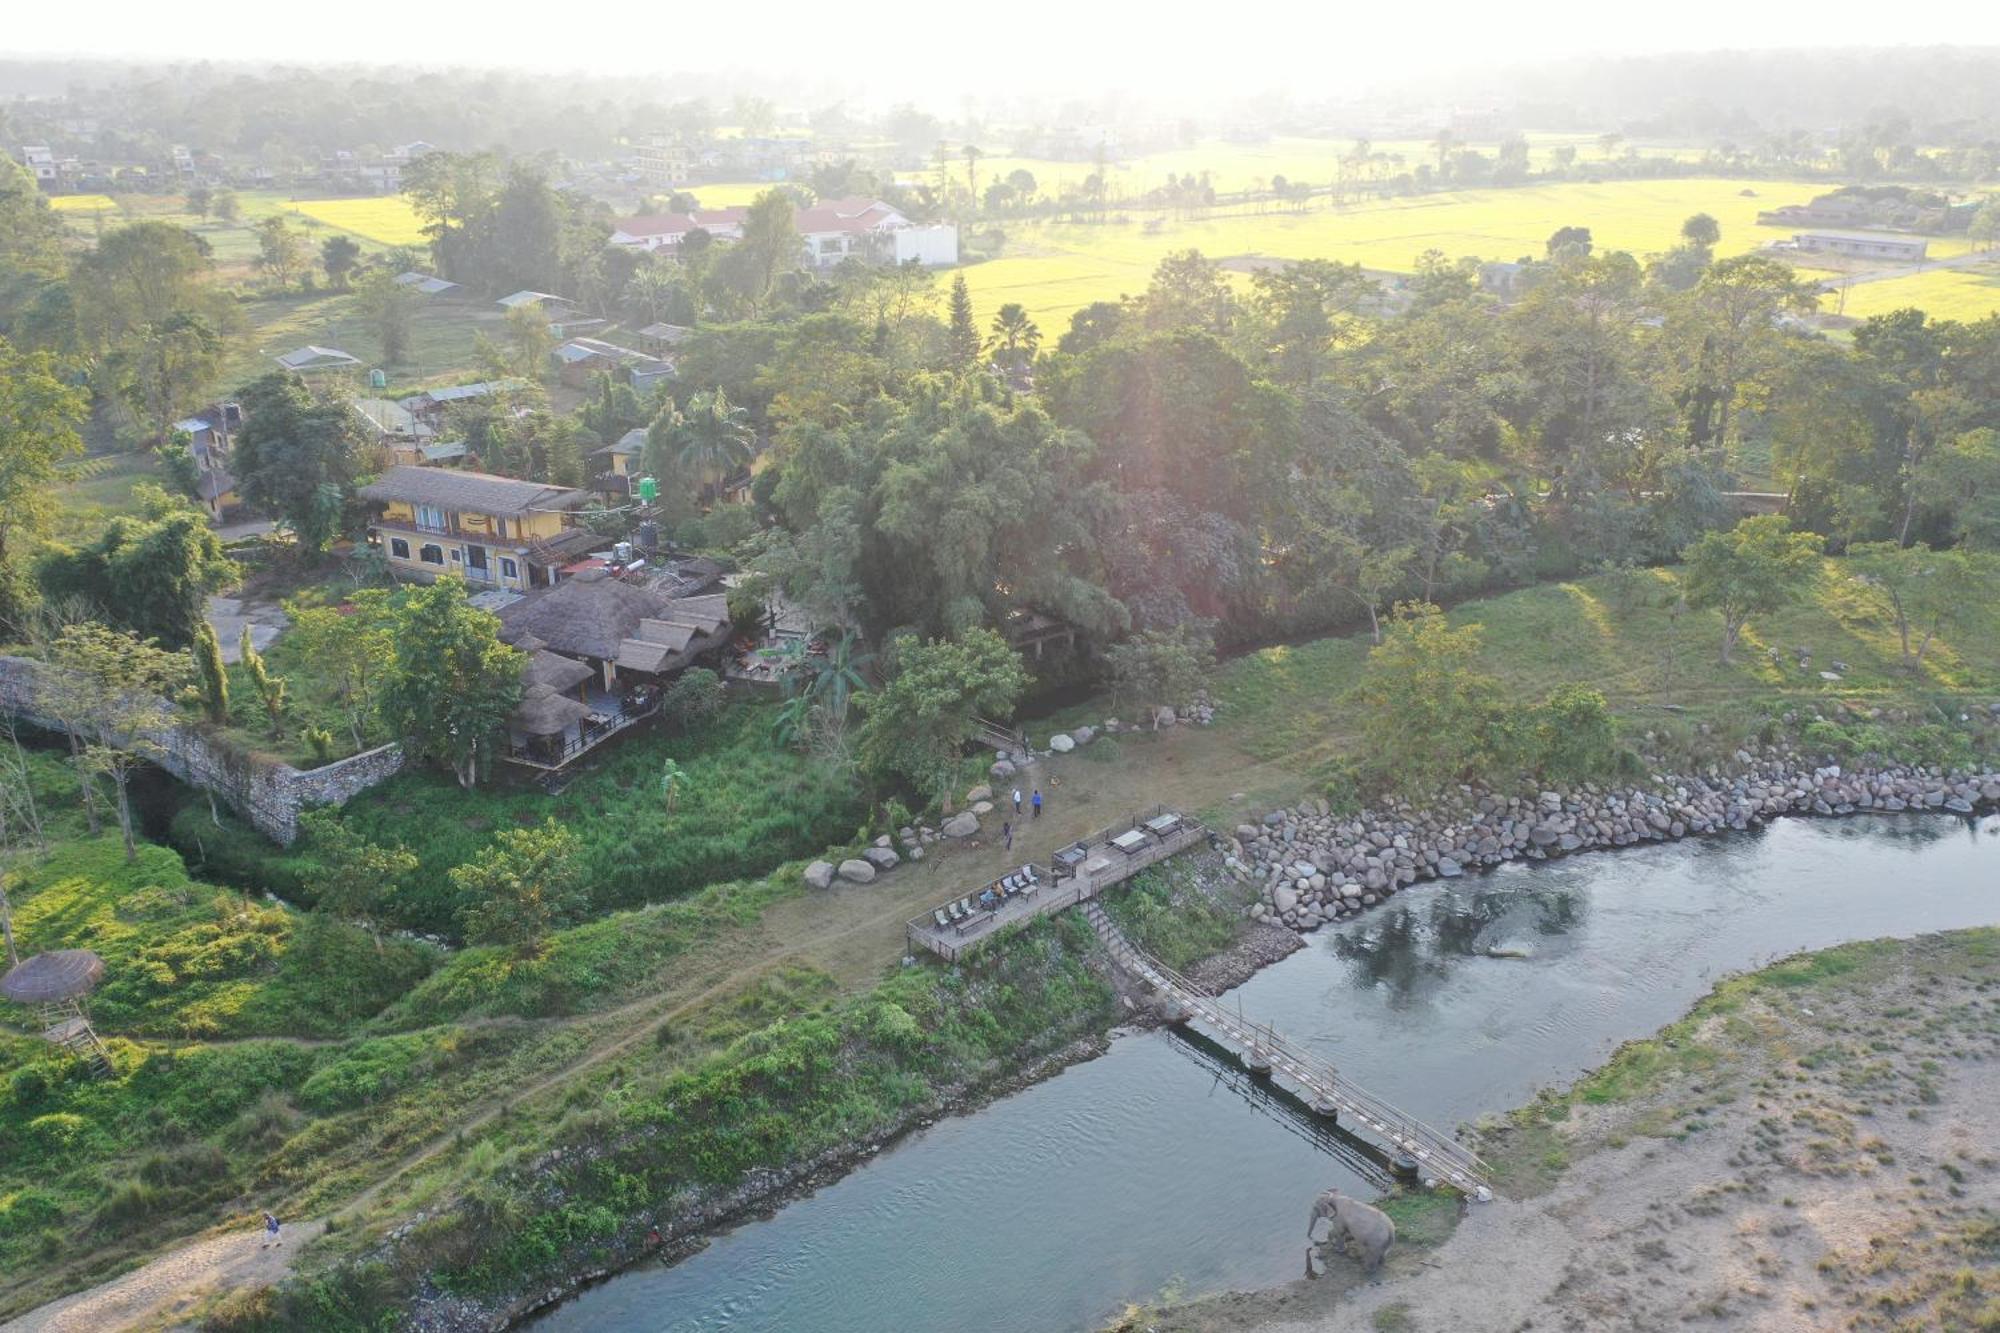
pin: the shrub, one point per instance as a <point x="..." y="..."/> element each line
<point x="694" y="700"/>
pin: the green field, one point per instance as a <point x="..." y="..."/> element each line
<point x="1947" y="293"/>
<point x="1053" y="268"/>
<point x="442" y="336"/>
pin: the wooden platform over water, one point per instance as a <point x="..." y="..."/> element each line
<point x="1076" y="873"/>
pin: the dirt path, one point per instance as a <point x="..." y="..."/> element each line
<point x="172" y="1285"/>
<point x="852" y="933"/>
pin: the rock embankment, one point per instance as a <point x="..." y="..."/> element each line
<point x="1314" y="866"/>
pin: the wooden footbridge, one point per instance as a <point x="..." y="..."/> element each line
<point x="1439" y="1158"/>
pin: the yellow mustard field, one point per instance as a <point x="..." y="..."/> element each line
<point x="1053" y="268"/>
<point x="82" y="203"/>
<point x="385" y="219"/>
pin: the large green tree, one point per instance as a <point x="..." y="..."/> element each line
<point x="452" y="683"/>
<point x="525" y="884"/>
<point x="151" y="577"/>
<point x="39" y="416"/>
<point x="1429" y="709"/>
<point x="1752" y="569"/>
<point x="296" y="456"/>
<point x="115" y="687"/>
<point x="915" y="726"/>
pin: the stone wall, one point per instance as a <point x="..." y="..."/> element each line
<point x="267" y="793"/>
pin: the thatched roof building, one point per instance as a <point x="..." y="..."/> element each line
<point x="594" y="617"/>
<point x="47" y="978"/>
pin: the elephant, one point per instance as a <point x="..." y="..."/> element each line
<point x="1366" y="1231"/>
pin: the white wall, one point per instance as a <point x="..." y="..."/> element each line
<point x="933" y="247"/>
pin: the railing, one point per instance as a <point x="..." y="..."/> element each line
<point x="554" y="757"/>
<point x="1451" y="1160"/>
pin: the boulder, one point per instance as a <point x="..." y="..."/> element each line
<point x="1002" y="768"/>
<point x="1061" y="743"/>
<point x="820" y="874"/>
<point x="882" y="858"/>
<point x="980" y="793"/>
<point x="1084" y="735"/>
<point x="1447" y="868"/>
<point x="1284" y="899"/>
<point x="982" y="807"/>
<point x="961" y="825"/>
<point x="857" y="871"/>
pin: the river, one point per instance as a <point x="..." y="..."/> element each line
<point x="1160" y="1167"/>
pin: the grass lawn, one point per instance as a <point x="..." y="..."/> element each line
<point x="1659" y="672"/>
<point x="97" y="487"/>
<point x="1056" y="267"/>
<point x="442" y="337"/>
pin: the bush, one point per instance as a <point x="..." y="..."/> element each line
<point x="694" y="700"/>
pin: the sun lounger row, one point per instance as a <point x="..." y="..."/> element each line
<point x="973" y="908"/>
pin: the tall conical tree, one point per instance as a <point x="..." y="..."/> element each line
<point x="210" y="676"/>
<point x="271" y="689"/>
<point x="964" y="333"/>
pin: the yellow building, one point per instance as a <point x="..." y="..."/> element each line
<point x="496" y="531"/>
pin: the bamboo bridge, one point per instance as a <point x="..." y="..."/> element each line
<point x="1439" y="1158"/>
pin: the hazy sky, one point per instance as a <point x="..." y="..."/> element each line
<point x="942" y="50"/>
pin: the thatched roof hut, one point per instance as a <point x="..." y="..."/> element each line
<point x="561" y="674"/>
<point x="47" y="978"/>
<point x="543" y="712"/>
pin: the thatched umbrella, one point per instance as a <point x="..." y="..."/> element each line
<point x="48" y="978"/>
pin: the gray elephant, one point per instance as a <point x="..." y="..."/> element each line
<point x="1367" y="1232"/>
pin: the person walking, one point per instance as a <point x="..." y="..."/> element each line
<point x="270" y="1231"/>
<point x="1038" y="803"/>
<point x="1017" y="802"/>
<point x="1007" y="834"/>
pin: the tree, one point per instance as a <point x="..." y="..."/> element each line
<point x="151" y="577"/>
<point x="1569" y="243"/>
<point x="1701" y="229"/>
<point x="345" y="875"/>
<point x="915" y="726"/>
<point x="694" y="700"/>
<point x="280" y="251"/>
<point x="354" y="645"/>
<point x="1985" y="224"/>
<point x="452" y="683"/>
<point x="531" y="340"/>
<point x="339" y="255"/>
<point x="1015" y="338"/>
<point x="271" y="690"/>
<point x="116" y="686"/>
<point x="1927" y="590"/>
<point x="39" y="416"/>
<point x="707" y="444"/>
<point x="768" y="248"/>
<point x="962" y="335"/>
<point x="1752" y="569"/>
<point x="1161" y="667"/>
<point x="525" y="884"/>
<point x="225" y="206"/>
<point x="141" y="275"/>
<point x="297" y="456"/>
<point x="821" y="688"/>
<point x="1428" y="710"/>
<point x="389" y="307"/>
<point x="199" y="200"/>
<point x="210" y="676"/>
<point x="165" y="370"/>
<point x="1959" y="481"/>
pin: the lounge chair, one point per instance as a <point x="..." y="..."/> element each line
<point x="939" y="917"/>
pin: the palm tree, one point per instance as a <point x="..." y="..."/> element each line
<point x="823" y="686"/>
<point x="713" y="438"/>
<point x="1015" y="336"/>
<point x="972" y="156"/>
<point x="672" y="778"/>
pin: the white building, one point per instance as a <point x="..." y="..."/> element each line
<point x="41" y="164"/>
<point x="664" y="160"/>
<point x="666" y="231"/>
<point x="872" y="230"/>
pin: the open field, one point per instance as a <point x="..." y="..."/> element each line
<point x="386" y="219"/>
<point x="1054" y="268"/>
<point x="442" y="335"/>
<point x="724" y="194"/>
<point x="1947" y="293"/>
<point x="83" y="203"/>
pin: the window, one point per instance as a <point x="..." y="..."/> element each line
<point x="399" y="548"/>
<point x="508" y="569"/>
<point x="456" y="556"/>
<point x="430" y="518"/>
<point x="475" y="556"/>
<point x="432" y="554"/>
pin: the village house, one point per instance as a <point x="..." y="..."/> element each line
<point x="580" y="358"/>
<point x="621" y="463"/>
<point x="599" y="649"/>
<point x="426" y="284"/>
<point x="666" y="231"/>
<point x="1863" y="245"/>
<point x="306" y="360"/>
<point x="496" y="531"/>
<point x="395" y="428"/>
<point x="555" y="307"/>
<point x="868" y="229"/>
<point x="208" y="433"/>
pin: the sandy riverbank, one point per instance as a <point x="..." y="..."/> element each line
<point x="1812" y="1148"/>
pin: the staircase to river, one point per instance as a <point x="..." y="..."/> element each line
<point x="1439" y="1158"/>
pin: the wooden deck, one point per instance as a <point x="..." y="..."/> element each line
<point x="1078" y="872"/>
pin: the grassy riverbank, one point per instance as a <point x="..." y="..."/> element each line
<point x="1810" y="1146"/>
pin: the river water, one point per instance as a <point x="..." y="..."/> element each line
<point x="1160" y="1166"/>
